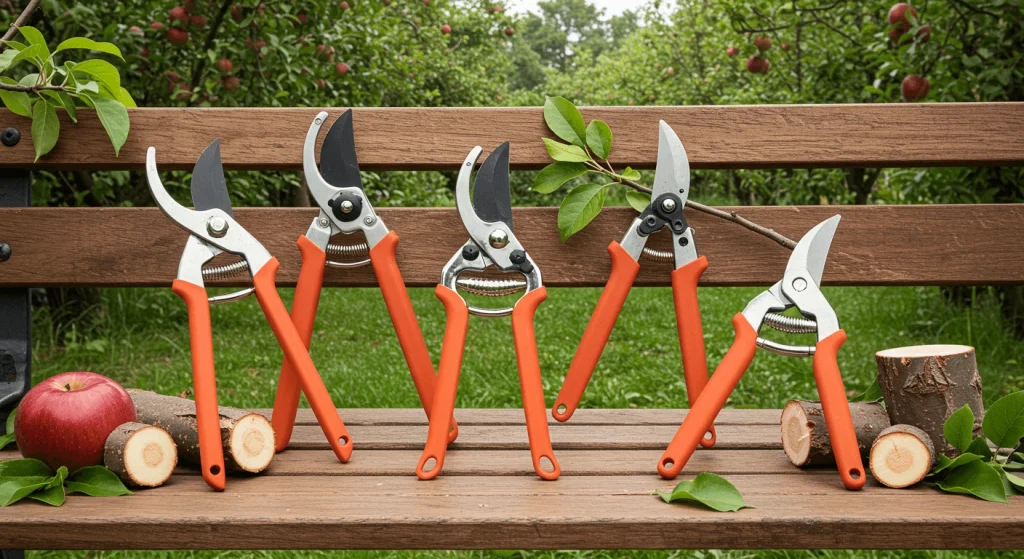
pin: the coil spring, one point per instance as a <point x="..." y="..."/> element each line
<point x="225" y="271"/>
<point x="491" y="287"/>
<point x="660" y="255"/>
<point x="790" y="324"/>
<point x="359" y="249"/>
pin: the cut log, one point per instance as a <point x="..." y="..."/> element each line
<point x="141" y="455"/>
<point x="247" y="437"/>
<point x="901" y="456"/>
<point x="923" y="385"/>
<point x="805" y="435"/>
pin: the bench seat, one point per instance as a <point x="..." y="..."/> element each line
<point x="489" y="498"/>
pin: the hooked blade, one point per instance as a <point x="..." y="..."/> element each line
<point x="812" y="250"/>
<point x="208" y="187"/>
<point x="492" y="199"/>
<point x="338" y="163"/>
<point x="672" y="173"/>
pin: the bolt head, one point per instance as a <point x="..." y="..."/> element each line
<point x="668" y="205"/>
<point x="369" y="220"/>
<point x="217" y="226"/>
<point x="346" y="206"/>
<point x="498" y="238"/>
<point x="5" y="252"/>
<point x="322" y="222"/>
<point x="799" y="284"/>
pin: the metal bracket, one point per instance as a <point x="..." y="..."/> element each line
<point x="15" y="306"/>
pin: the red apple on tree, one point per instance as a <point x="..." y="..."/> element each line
<point x="225" y="65"/>
<point x="732" y="51"/>
<point x="763" y="43"/>
<point x="914" y="88"/>
<point x="446" y="29"/>
<point x="179" y="14"/>
<point x="341" y="68"/>
<point x="177" y="36"/>
<point x="65" y="420"/>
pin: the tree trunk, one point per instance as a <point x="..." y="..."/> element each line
<point x="247" y="438"/>
<point x="924" y="385"/>
<point x="805" y="436"/>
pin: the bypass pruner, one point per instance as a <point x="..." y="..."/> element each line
<point x="488" y="219"/>
<point x="799" y="287"/>
<point x="344" y="208"/>
<point x="213" y="230"/>
<point x="668" y="196"/>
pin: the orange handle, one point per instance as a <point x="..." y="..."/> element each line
<point x="296" y="353"/>
<point x="711" y="400"/>
<point x="307" y="297"/>
<point x="837" y="411"/>
<point x="530" y="383"/>
<point x="691" y="333"/>
<point x="211" y="453"/>
<point x="447" y="383"/>
<point x="410" y="337"/>
<point x="595" y="337"/>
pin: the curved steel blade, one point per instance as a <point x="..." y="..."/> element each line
<point x="812" y="250"/>
<point x="208" y="187"/>
<point x="672" y="173"/>
<point x="492" y="199"/>
<point x="338" y="163"/>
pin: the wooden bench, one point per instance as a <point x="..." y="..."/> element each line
<point x="488" y="497"/>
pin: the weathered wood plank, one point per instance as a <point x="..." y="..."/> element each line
<point x="514" y="416"/>
<point x="807" y="511"/>
<point x="875" y="245"/>
<point x="563" y="437"/>
<point x="929" y="134"/>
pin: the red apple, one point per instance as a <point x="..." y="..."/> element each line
<point x="914" y="88"/>
<point x="65" y="420"/>
<point x="731" y="51"/>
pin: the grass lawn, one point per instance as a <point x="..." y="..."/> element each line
<point x="143" y="343"/>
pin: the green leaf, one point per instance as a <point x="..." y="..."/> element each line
<point x="45" y="127"/>
<point x="959" y="428"/>
<point x="89" y="44"/>
<point x="599" y="138"/>
<point x="552" y="177"/>
<point x="96" y="481"/>
<point x="102" y="71"/>
<point x="35" y="39"/>
<point x="32" y="53"/>
<point x="631" y="174"/>
<point x="562" y="152"/>
<point x="565" y="120"/>
<point x="980" y="447"/>
<point x="14" y="489"/>
<point x="114" y="118"/>
<point x="24" y="467"/>
<point x="579" y="208"/>
<point x="949" y="464"/>
<point x="1004" y="421"/>
<point x="710" y="490"/>
<point x="18" y="102"/>
<point x="976" y="478"/>
<point x="9" y="428"/>
<point x="7" y="58"/>
<point x="125" y="98"/>
<point x="638" y="200"/>
<point x="6" y="440"/>
<point x="87" y="87"/>
<point x="51" y="495"/>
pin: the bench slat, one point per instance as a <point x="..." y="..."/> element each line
<point x="759" y="136"/>
<point x="952" y="244"/>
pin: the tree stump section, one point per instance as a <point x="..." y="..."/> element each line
<point x="247" y="437"/>
<point x="923" y="385"/>
<point x="901" y="456"/>
<point x="141" y="455"/>
<point x="805" y="435"/>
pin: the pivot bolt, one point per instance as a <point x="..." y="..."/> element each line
<point x="498" y="238"/>
<point x="668" y="205"/>
<point x="217" y="226"/>
<point x="346" y="206"/>
<point x="799" y="284"/>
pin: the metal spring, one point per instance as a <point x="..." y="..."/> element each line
<point x="359" y="249"/>
<point x="790" y="324"/>
<point x="491" y="287"/>
<point x="661" y="255"/>
<point x="226" y="271"/>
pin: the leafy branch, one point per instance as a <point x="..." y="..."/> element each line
<point x="30" y="478"/>
<point x="587" y="152"/>
<point x="978" y="470"/>
<point x="92" y="83"/>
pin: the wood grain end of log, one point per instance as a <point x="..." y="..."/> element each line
<point x="250" y="444"/>
<point x="140" y="455"/>
<point x="901" y="456"/>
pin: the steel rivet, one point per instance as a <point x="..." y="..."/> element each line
<point x="322" y="222"/>
<point x="317" y="121"/>
<point x="799" y="284"/>
<point x="346" y="206"/>
<point x="498" y="238"/>
<point x="369" y="220"/>
<point x="217" y="226"/>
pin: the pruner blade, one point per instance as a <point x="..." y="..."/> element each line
<point x="209" y="190"/>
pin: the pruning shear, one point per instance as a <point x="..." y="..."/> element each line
<point x="214" y="230"/>
<point x="798" y="288"/>
<point x="344" y="208"/>
<point x="488" y="219"/>
<point x="670" y="191"/>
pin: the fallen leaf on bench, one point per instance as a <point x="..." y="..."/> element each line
<point x="710" y="490"/>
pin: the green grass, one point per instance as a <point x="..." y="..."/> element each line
<point x="143" y="342"/>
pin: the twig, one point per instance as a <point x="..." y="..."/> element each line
<point x="32" y="88"/>
<point x="728" y="216"/>
<point x="29" y="8"/>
